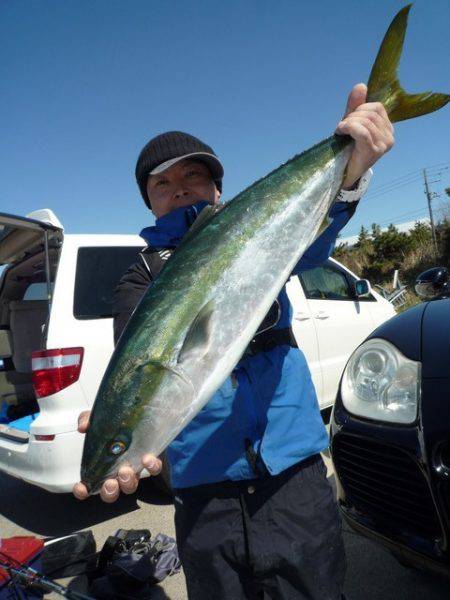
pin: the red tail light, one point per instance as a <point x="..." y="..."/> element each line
<point x="54" y="370"/>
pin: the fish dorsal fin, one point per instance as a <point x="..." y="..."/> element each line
<point x="203" y="218"/>
<point x="198" y="338"/>
<point x="384" y="85"/>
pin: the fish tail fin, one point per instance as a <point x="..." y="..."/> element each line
<point x="384" y="85"/>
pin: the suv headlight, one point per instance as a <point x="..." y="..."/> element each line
<point x="379" y="382"/>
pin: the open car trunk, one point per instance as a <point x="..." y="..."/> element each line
<point x="29" y="254"/>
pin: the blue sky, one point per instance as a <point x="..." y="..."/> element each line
<point x="85" y="84"/>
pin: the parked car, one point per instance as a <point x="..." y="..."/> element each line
<point x="391" y="431"/>
<point x="56" y="336"/>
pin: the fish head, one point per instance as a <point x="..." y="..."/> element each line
<point x="103" y="455"/>
<point x="112" y="426"/>
<point x="128" y="422"/>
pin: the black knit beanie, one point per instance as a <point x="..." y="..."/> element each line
<point x="170" y="145"/>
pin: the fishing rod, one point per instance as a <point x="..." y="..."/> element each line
<point x="29" y="577"/>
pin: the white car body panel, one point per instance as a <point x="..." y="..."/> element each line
<point x="305" y="332"/>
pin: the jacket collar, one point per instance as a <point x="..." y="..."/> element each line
<point x="169" y="230"/>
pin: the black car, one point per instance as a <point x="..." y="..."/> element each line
<point x="391" y="431"/>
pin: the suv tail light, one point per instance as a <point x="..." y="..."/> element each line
<point x="54" y="370"/>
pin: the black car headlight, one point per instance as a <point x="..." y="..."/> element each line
<point x="380" y="383"/>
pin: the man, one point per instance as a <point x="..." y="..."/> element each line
<point x="254" y="512"/>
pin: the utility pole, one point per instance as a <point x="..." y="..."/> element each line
<point x="429" y="196"/>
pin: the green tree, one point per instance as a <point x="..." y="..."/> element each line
<point x="364" y="243"/>
<point x="376" y="231"/>
<point x="443" y="239"/>
<point x="390" y="248"/>
<point x="420" y="235"/>
<point x="393" y="244"/>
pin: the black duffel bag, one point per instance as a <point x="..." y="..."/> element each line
<point x="70" y="555"/>
<point x="131" y="562"/>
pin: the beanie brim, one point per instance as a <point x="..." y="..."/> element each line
<point x="211" y="161"/>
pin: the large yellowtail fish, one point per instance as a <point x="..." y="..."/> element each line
<point x="196" y="320"/>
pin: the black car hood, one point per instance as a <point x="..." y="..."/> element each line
<point x="436" y="340"/>
<point x="404" y="331"/>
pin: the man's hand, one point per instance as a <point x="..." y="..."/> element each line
<point x="368" y="124"/>
<point x="127" y="480"/>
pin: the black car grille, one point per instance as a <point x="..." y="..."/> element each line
<point x="385" y="484"/>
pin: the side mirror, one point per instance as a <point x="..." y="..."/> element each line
<point x="432" y="283"/>
<point x="362" y="288"/>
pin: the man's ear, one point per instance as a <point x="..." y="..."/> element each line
<point x="217" y="196"/>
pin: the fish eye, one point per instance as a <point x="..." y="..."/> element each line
<point x="117" y="448"/>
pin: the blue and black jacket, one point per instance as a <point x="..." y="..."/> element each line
<point x="268" y="408"/>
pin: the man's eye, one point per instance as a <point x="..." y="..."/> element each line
<point x="161" y="182"/>
<point x="192" y="173"/>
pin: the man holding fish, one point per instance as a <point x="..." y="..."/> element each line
<point x="188" y="173"/>
<point x="254" y="513"/>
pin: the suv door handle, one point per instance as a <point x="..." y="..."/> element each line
<point x="321" y="315"/>
<point x="301" y="316"/>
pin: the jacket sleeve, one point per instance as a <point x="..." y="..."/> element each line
<point x="129" y="291"/>
<point x="323" y="246"/>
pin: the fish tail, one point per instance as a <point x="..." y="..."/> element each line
<point x="384" y="85"/>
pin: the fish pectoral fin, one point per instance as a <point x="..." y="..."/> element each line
<point x="150" y="366"/>
<point x="198" y="338"/>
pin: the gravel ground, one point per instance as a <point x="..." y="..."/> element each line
<point x="26" y="509"/>
<point x="373" y="574"/>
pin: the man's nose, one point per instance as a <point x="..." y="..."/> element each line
<point x="180" y="191"/>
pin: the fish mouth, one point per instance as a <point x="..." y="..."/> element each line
<point x="94" y="484"/>
<point x="92" y="488"/>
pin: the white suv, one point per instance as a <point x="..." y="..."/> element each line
<point x="56" y="336"/>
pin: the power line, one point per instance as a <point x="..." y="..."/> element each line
<point x="401" y="182"/>
<point x="444" y="209"/>
<point x="410" y="174"/>
<point x="411" y="214"/>
<point x="386" y="190"/>
<point x="408" y="179"/>
<point x="392" y="189"/>
<point x="400" y="218"/>
<point x="397" y="181"/>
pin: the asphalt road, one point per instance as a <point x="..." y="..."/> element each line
<point x="373" y="574"/>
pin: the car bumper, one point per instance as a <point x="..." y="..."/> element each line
<point x="405" y="554"/>
<point x="52" y="465"/>
<point x="389" y="490"/>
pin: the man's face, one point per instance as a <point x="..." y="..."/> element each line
<point x="183" y="184"/>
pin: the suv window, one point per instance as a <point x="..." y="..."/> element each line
<point x="99" y="270"/>
<point x="326" y="283"/>
<point x="329" y="282"/>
